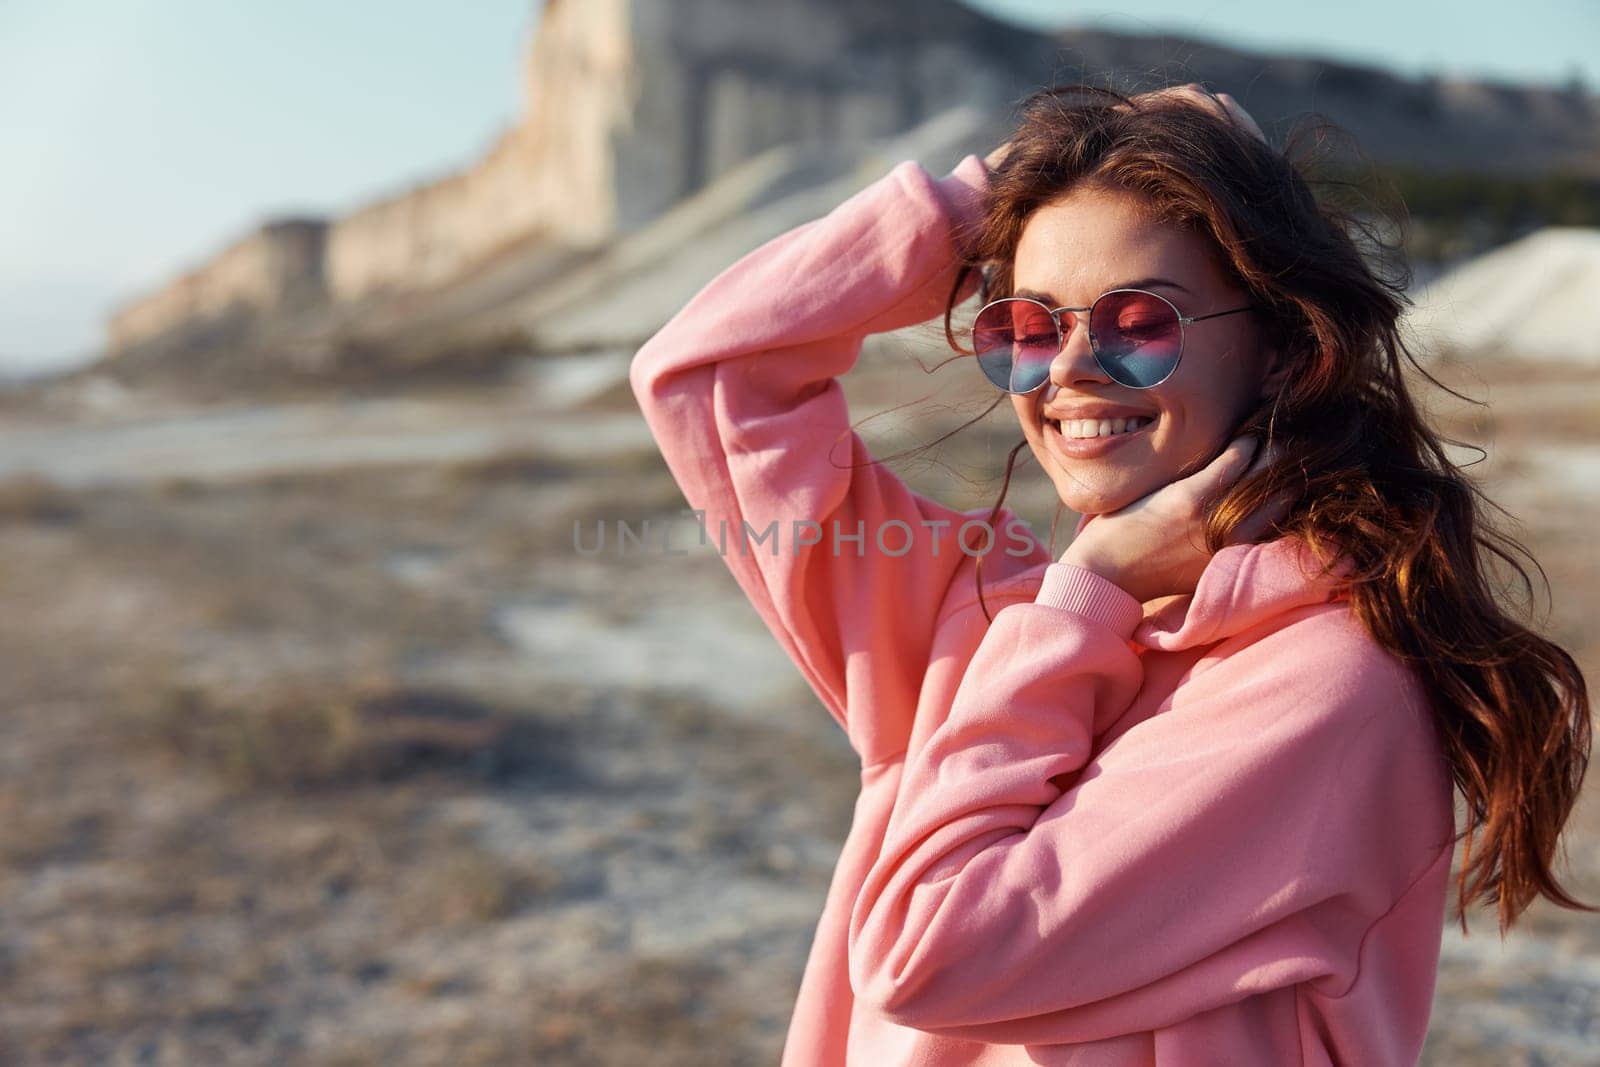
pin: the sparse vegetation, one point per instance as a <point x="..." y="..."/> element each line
<point x="1452" y="215"/>
<point x="33" y="498"/>
<point x="328" y="736"/>
<point x="279" y="790"/>
<point x="284" y="360"/>
<point x="226" y="760"/>
<point x="532" y="467"/>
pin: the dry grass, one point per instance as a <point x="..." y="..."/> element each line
<point x="536" y="469"/>
<point x="273" y="791"/>
<point x="310" y="735"/>
<point x="32" y="498"/>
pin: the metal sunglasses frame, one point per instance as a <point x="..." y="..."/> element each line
<point x="1094" y="345"/>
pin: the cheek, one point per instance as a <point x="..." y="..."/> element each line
<point x="1023" y="407"/>
<point x="1222" y="395"/>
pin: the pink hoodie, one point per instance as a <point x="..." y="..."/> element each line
<point x="1220" y="833"/>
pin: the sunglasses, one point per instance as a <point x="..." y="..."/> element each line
<point x="1136" y="337"/>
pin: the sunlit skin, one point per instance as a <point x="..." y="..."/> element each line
<point x="1097" y="238"/>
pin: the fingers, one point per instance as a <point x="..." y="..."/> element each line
<point x="1237" y="457"/>
<point x="1225" y="468"/>
<point x="1261" y="520"/>
<point x="1266" y="457"/>
<point x="1269" y="514"/>
<point x="1240" y="116"/>
<point x="1222" y="105"/>
<point x="1223" y="471"/>
<point x="1240" y="458"/>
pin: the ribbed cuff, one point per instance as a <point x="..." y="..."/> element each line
<point x="1077" y="589"/>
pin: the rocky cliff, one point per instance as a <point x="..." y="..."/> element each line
<point x="633" y="105"/>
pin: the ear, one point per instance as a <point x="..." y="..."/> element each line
<point x="1277" y="370"/>
<point x="1276" y="340"/>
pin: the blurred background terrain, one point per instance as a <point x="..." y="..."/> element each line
<point x="324" y="744"/>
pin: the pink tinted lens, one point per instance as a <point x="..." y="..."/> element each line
<point x="1138" y="337"/>
<point x="1015" y="340"/>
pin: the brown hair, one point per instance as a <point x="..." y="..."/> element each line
<point x="1359" y="461"/>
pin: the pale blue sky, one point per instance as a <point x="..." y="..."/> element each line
<point x="1531" y="41"/>
<point x="141" y="135"/>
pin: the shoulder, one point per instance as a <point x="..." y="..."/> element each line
<point x="1319" y="650"/>
<point x="1349" y="723"/>
<point x="1323" y="749"/>
<point x="1311" y="676"/>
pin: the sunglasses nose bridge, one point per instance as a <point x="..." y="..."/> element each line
<point x="1075" y="357"/>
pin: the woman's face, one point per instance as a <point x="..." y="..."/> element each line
<point x="1072" y="250"/>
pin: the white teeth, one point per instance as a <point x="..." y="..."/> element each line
<point x="1085" y="428"/>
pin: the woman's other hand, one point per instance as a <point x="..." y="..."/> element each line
<point x="1155" y="546"/>
<point x="1220" y="104"/>
<point x="992" y="160"/>
<point x="1194" y="94"/>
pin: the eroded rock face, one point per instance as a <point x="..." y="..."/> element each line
<point x="1527" y="301"/>
<point x="633" y="105"/>
<point x="552" y="176"/>
<point x="630" y="106"/>
<point x="278" y="266"/>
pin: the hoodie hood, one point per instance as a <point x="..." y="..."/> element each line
<point x="1242" y="586"/>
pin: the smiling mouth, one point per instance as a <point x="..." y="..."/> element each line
<point x="1091" y="429"/>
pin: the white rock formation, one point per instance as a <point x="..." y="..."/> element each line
<point x="1535" y="298"/>
<point x="633" y="106"/>
<point x="261" y="272"/>
<point x="621" y="297"/>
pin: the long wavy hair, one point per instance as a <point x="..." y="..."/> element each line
<point x="1361" y="464"/>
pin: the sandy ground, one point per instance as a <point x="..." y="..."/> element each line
<point x="324" y="746"/>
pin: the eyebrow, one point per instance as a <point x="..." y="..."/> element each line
<point x="1142" y="283"/>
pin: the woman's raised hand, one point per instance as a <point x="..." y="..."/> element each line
<point x="1220" y="104"/>
<point x="1193" y="94"/>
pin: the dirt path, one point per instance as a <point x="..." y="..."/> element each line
<point x="245" y="440"/>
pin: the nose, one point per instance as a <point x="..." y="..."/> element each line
<point x="1075" y="362"/>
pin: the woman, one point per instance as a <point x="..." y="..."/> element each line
<point x="1184" y="794"/>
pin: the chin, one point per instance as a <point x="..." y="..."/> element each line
<point x="1089" y="502"/>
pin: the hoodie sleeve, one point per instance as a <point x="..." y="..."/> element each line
<point x="846" y="565"/>
<point x="1245" y="837"/>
